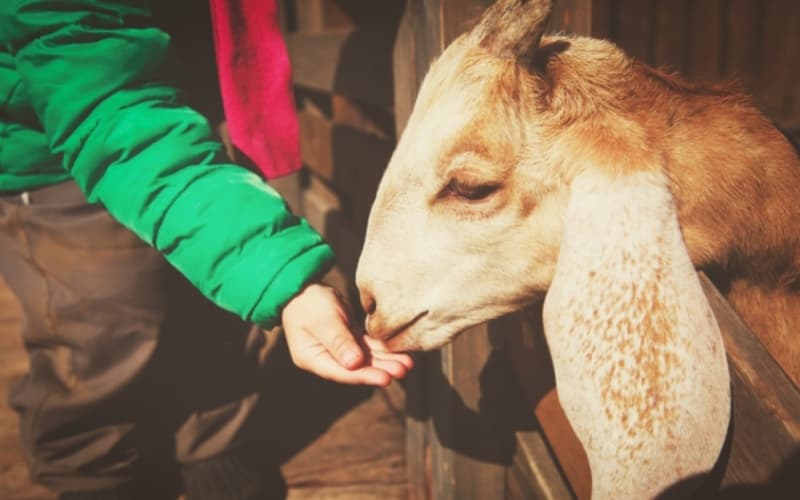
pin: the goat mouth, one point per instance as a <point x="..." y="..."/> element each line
<point x="405" y="326"/>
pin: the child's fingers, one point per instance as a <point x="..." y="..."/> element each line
<point x="378" y="349"/>
<point x="339" y="341"/>
<point x="393" y="368"/>
<point x="327" y="367"/>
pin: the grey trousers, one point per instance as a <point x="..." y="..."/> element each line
<point x="128" y="363"/>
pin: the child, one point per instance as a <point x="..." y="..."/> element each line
<point x="104" y="176"/>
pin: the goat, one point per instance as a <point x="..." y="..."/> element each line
<point x="557" y="166"/>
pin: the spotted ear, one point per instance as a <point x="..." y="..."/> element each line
<point x="639" y="361"/>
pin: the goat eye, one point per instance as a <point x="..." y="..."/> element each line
<point x="470" y="192"/>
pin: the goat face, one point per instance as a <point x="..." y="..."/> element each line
<point x="492" y="197"/>
<point x="466" y="222"/>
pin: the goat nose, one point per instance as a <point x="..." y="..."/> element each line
<point x="367" y="301"/>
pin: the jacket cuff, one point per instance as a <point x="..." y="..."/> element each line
<point x="289" y="281"/>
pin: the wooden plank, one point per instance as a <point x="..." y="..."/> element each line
<point x="358" y="457"/>
<point x="366" y="156"/>
<point x="534" y="473"/>
<point x="480" y="434"/>
<point x="315" y="58"/>
<point x="323" y="210"/>
<point x="465" y="461"/>
<point x="772" y="83"/>
<point x="603" y="13"/>
<point x="770" y="383"/>
<point x="742" y="41"/>
<point x="352" y="161"/>
<point x="316" y="143"/>
<point x="565" y="445"/>
<point x="363" y="116"/>
<point x="314" y="16"/>
<point x="670" y="35"/>
<point x="468" y="456"/>
<point x="406" y="64"/>
<point x="766" y="408"/>
<point x="354" y="442"/>
<point x="459" y="16"/>
<point x="418" y="449"/>
<point x="791" y="114"/>
<point x="706" y="44"/>
<point x="572" y="16"/>
<point x="384" y="12"/>
<point x="635" y="31"/>
<point x="439" y="396"/>
<point x="320" y="204"/>
<point x="406" y="80"/>
<point x="351" y="62"/>
<point x="531" y="362"/>
<point x="342" y="110"/>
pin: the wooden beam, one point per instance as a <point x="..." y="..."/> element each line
<point x="449" y="453"/>
<point x="352" y="62"/>
<point x="706" y="39"/>
<point x="766" y="408"/>
<point x="534" y="473"/>
<point x="417" y="41"/>
<point x="320" y="15"/>
<point x="350" y="159"/>
<point x="572" y="16"/>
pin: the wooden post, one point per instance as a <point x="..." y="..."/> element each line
<point x="572" y="16"/>
<point x="450" y="443"/>
<point x="457" y="444"/>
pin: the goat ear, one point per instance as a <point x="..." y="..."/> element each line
<point x="638" y="357"/>
<point x="513" y="28"/>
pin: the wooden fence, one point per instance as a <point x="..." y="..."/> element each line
<point x="483" y="419"/>
<point x="753" y="42"/>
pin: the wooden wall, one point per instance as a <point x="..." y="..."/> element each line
<point x="341" y="53"/>
<point x="755" y="43"/>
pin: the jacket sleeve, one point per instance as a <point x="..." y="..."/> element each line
<point x="91" y="70"/>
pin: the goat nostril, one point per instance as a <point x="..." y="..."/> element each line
<point x="368" y="302"/>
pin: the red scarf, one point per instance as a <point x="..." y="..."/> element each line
<point x="255" y="81"/>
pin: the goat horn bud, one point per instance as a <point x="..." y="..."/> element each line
<point x="513" y="28"/>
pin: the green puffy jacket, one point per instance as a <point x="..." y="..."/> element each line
<point x="80" y="99"/>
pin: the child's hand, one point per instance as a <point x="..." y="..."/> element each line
<point x="320" y="340"/>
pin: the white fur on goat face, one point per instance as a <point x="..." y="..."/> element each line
<point x="581" y="209"/>
<point x="431" y="253"/>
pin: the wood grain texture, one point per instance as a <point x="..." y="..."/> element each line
<point x="572" y="16"/>
<point x="355" y="62"/>
<point x="407" y="78"/>
<point x="791" y="113"/>
<point x="318" y="15"/>
<point x="603" y="21"/>
<point x="534" y="473"/>
<point x="772" y="83"/>
<point x="705" y="38"/>
<point x="766" y="408"/>
<point x="635" y="29"/>
<point x="742" y="40"/>
<point x="359" y="457"/>
<point x="670" y="34"/>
